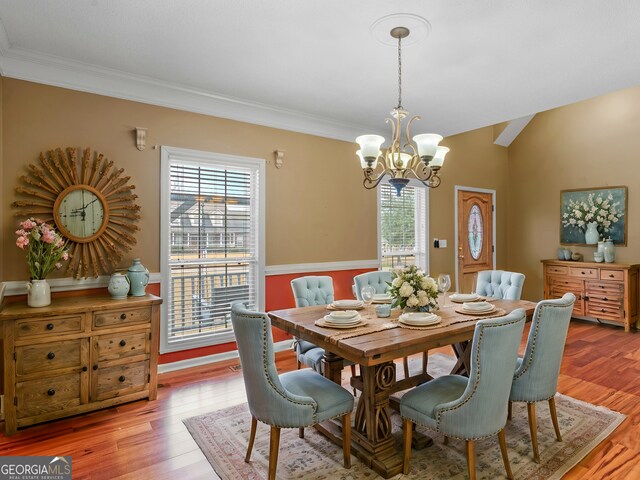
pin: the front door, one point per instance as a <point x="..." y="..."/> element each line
<point x="475" y="237"/>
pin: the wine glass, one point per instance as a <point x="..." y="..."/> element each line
<point x="444" y="284"/>
<point x="366" y="294"/>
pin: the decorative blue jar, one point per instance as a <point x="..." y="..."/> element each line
<point x="138" y="278"/>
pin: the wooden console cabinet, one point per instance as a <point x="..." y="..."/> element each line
<point x="606" y="291"/>
<point x="77" y="355"/>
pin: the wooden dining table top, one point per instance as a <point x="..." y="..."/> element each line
<point x="388" y="344"/>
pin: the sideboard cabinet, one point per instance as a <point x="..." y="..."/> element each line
<point x="77" y="355"/>
<point x="605" y="291"/>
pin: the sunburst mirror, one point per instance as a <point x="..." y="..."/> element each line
<point x="90" y="202"/>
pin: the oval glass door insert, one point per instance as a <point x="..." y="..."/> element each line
<point x="475" y="231"/>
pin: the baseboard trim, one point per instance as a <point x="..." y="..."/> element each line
<point x="320" y="267"/>
<point x="69" y="284"/>
<point x="216" y="357"/>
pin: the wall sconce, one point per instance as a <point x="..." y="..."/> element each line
<point x="141" y="138"/>
<point x="279" y="154"/>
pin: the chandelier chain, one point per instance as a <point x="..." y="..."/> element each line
<point x="399" y="72"/>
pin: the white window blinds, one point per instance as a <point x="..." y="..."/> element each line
<point x="213" y="254"/>
<point x="403" y="227"/>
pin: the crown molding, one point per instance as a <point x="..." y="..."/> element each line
<point x="37" y="67"/>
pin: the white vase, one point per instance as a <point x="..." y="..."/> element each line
<point x="609" y="251"/>
<point x="119" y="286"/>
<point x="38" y="293"/>
<point x="591" y="236"/>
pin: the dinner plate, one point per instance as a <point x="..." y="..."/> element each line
<point x="343" y="315"/>
<point x="324" y="323"/>
<point x="419" y="319"/>
<point x="464" y="297"/>
<point x="345" y="321"/>
<point x="478" y="306"/>
<point x="421" y="323"/>
<point x="347" y="303"/>
<point x="476" y="312"/>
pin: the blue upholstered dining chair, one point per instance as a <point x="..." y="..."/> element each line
<point x="536" y="377"/>
<point x="295" y="399"/>
<point x="475" y="407"/>
<point x="500" y="284"/>
<point x="377" y="279"/>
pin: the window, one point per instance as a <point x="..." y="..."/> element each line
<point x="403" y="227"/>
<point x="209" y="202"/>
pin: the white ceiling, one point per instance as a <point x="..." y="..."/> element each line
<point x="313" y="65"/>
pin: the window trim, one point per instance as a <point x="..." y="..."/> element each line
<point x="167" y="155"/>
<point x="417" y="184"/>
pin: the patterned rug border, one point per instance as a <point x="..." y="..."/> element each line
<point x="616" y="418"/>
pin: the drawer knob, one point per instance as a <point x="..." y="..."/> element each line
<point x="95" y="367"/>
<point x="605" y="298"/>
<point x="602" y="310"/>
<point x="582" y="273"/>
<point x="51" y="355"/>
<point x="611" y="275"/>
<point x="51" y="392"/>
<point x="122" y="343"/>
<point x="123" y="316"/>
<point x="49" y="326"/>
<point x="84" y="369"/>
<point x="121" y="378"/>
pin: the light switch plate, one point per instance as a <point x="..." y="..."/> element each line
<point x="443" y="243"/>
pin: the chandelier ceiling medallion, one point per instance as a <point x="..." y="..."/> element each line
<point x="402" y="160"/>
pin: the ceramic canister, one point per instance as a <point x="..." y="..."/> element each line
<point x="139" y="278"/>
<point x="118" y="286"/>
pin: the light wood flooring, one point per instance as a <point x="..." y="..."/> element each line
<point x="147" y="440"/>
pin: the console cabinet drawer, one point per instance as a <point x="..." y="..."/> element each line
<point x="118" y="318"/>
<point x="121" y="345"/>
<point x="612" y="275"/>
<point x="47" y="395"/>
<point x="119" y="380"/>
<point x="583" y="272"/>
<point x="47" y="357"/>
<point x="556" y="270"/>
<point x="37" y="327"/>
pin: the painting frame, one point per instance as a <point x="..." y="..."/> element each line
<point x="618" y="234"/>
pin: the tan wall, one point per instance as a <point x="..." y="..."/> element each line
<point x="593" y="143"/>
<point x="474" y="161"/>
<point x="316" y="194"/>
<point x="317" y="210"/>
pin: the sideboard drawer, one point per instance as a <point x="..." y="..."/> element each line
<point x="121" y="345"/>
<point x="46" y="357"/>
<point x="33" y="327"/>
<point x="566" y="285"/>
<point x="557" y="270"/>
<point x="610" y="289"/>
<point x="118" y="318"/>
<point x="119" y="380"/>
<point x="605" y="309"/>
<point x="583" y="272"/>
<point x="46" y="395"/>
<point x="606" y="274"/>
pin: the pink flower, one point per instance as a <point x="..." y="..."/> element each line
<point x="28" y="224"/>
<point x="20" y="232"/>
<point x="58" y="265"/>
<point x="22" y="241"/>
<point x="65" y="256"/>
<point x="48" y="236"/>
<point x="60" y="242"/>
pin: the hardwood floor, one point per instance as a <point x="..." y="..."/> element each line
<point x="144" y="440"/>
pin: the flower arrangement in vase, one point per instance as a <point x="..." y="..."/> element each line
<point x="46" y="249"/>
<point x="411" y="288"/>
<point x="595" y="216"/>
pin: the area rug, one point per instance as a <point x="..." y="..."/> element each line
<point x="223" y="436"/>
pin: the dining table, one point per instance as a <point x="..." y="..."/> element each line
<point x="374" y="346"/>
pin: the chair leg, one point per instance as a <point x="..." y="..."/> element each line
<point x="408" y="427"/>
<point x="510" y="414"/>
<point x="446" y="440"/>
<point x="505" y="454"/>
<point x="425" y="361"/>
<point x="301" y="432"/>
<point x="531" y="412"/>
<point x="346" y="439"/>
<point x="471" y="459"/>
<point x="274" y="446"/>
<point x="353" y="374"/>
<point x="252" y="437"/>
<point x="554" y="417"/>
<point x="405" y="364"/>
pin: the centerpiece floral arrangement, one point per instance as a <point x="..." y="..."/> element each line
<point x="410" y="287"/>
<point x="45" y="247"/>
<point x="597" y="208"/>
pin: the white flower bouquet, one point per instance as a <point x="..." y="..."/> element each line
<point x="597" y="208"/>
<point x="410" y="287"/>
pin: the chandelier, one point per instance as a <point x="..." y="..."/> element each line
<point x="403" y="159"/>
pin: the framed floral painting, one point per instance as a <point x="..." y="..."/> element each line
<point x="586" y="210"/>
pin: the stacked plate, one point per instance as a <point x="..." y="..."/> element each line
<point x="477" y="308"/>
<point x="419" y="319"/>
<point x="464" y="297"/>
<point x="381" y="298"/>
<point x="342" y="319"/>
<point x="347" y="304"/>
